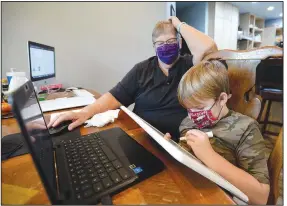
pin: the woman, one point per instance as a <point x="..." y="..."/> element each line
<point x="152" y="84"/>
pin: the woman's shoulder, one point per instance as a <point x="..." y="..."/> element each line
<point x="147" y="63"/>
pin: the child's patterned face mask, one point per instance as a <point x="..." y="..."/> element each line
<point x="203" y="118"/>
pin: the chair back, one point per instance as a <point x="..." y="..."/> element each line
<point x="242" y="66"/>
<point x="275" y="164"/>
<point x="269" y="74"/>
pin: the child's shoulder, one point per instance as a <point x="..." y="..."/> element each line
<point x="237" y="120"/>
<point x="235" y="126"/>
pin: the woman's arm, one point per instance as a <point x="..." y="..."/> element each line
<point x="198" y="43"/>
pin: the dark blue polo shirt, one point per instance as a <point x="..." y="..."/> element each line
<point x="154" y="94"/>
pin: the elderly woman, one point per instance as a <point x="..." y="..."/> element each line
<point x="152" y="84"/>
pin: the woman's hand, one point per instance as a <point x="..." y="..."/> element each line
<point x="175" y="21"/>
<point x="199" y="143"/>
<point x="36" y="125"/>
<point x="78" y="119"/>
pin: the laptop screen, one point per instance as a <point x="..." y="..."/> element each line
<point x="37" y="134"/>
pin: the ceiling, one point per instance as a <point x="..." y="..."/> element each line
<point x="257" y="8"/>
<point x="260" y="8"/>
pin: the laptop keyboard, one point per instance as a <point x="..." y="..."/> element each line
<point x="93" y="166"/>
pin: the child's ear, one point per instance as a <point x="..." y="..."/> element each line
<point x="223" y="98"/>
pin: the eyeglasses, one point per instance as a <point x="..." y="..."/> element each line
<point x="169" y="41"/>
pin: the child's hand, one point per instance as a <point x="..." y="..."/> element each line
<point x="199" y="142"/>
<point x="167" y="136"/>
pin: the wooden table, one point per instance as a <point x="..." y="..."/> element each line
<point x="177" y="184"/>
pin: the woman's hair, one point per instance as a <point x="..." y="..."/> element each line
<point x="207" y="80"/>
<point x="163" y="27"/>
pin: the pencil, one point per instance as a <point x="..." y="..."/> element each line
<point x="209" y="134"/>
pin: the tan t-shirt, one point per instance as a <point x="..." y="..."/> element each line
<point x="238" y="139"/>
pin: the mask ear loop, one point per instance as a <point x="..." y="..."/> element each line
<point x="219" y="111"/>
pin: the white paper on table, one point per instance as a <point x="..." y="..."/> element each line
<point x="101" y="119"/>
<point x="185" y="157"/>
<point x="82" y="93"/>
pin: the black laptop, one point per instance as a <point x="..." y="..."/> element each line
<point x="81" y="169"/>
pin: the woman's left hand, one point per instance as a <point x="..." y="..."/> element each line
<point x="175" y="21"/>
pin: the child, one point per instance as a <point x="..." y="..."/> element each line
<point x="236" y="150"/>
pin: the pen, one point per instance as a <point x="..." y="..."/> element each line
<point x="209" y="134"/>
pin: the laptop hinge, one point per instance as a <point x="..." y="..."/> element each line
<point x="65" y="193"/>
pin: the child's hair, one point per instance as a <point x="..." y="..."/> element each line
<point x="207" y="80"/>
<point x="163" y="27"/>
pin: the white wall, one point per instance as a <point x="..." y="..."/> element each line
<point x="96" y="43"/>
<point x="226" y="22"/>
<point x="168" y="5"/>
<point x="210" y="18"/>
<point x="196" y="16"/>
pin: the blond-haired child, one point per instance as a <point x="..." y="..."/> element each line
<point x="237" y="150"/>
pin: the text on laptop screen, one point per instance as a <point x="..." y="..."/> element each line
<point x="39" y="138"/>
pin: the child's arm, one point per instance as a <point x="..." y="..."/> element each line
<point x="250" y="157"/>
<point x="257" y="192"/>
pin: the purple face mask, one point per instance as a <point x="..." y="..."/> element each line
<point x="168" y="53"/>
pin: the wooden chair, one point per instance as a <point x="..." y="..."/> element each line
<point x="242" y="74"/>
<point x="275" y="164"/>
<point x="269" y="85"/>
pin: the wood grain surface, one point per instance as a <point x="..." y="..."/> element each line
<point x="176" y="184"/>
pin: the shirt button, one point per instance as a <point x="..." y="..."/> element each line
<point x="168" y="83"/>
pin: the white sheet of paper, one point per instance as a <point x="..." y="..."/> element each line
<point x="184" y="157"/>
<point x="65" y="103"/>
<point x="101" y="119"/>
<point x="82" y="93"/>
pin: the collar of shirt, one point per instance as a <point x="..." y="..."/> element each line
<point x="173" y="70"/>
